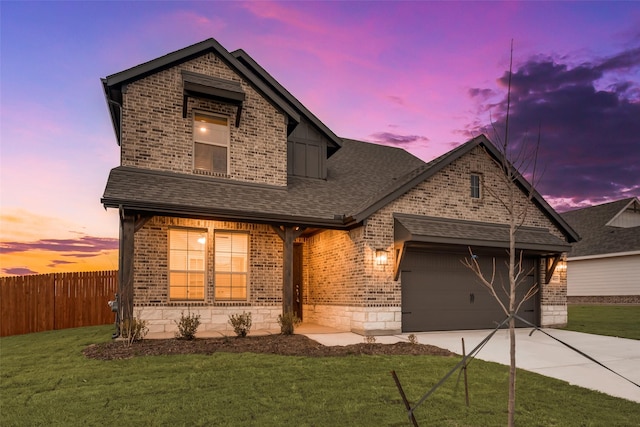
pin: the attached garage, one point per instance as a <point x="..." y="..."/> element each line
<point x="440" y="293"/>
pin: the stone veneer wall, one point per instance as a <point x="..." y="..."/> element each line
<point x="151" y="271"/>
<point x="156" y="136"/>
<point x="365" y="298"/>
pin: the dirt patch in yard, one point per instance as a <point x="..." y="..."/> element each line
<point x="286" y="345"/>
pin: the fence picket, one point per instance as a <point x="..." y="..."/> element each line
<point x="44" y="302"/>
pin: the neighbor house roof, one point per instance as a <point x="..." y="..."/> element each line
<point x="598" y="238"/>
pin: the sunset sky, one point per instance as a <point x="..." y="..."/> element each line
<point x="425" y="76"/>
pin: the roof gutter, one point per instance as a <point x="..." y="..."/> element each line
<point x="339" y="222"/>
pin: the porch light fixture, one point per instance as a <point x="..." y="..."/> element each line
<point x="381" y="257"/>
<point x="202" y="240"/>
<point x="562" y="266"/>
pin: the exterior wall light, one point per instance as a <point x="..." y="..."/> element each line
<point x="381" y="257"/>
<point x="562" y="266"/>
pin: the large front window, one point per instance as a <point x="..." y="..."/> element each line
<point x="232" y="263"/>
<point x="211" y="144"/>
<point x="187" y="248"/>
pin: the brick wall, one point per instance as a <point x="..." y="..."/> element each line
<point x="151" y="262"/>
<point x="156" y="136"/>
<point x="151" y="276"/>
<point x="342" y="266"/>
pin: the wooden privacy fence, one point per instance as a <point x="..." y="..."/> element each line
<point x="56" y="301"/>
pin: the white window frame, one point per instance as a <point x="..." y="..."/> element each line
<point x="475" y="191"/>
<point x="218" y="271"/>
<point x="195" y="263"/>
<point x="199" y="140"/>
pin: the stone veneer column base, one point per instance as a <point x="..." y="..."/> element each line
<point x="553" y="316"/>
<point x="360" y="320"/>
<point x="161" y="319"/>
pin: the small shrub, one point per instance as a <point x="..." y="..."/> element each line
<point x="187" y="326"/>
<point x="413" y="339"/>
<point x="370" y="339"/>
<point x="133" y="330"/>
<point x="241" y="323"/>
<point x="288" y="322"/>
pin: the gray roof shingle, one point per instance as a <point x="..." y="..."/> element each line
<point x="473" y="233"/>
<point x="356" y="173"/>
<point x="598" y="238"/>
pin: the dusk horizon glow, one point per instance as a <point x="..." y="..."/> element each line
<point x="422" y="76"/>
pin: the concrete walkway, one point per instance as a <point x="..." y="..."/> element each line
<point x="536" y="353"/>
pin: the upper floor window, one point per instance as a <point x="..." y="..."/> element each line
<point x="187" y="264"/>
<point x="475" y="186"/>
<point x="211" y="144"/>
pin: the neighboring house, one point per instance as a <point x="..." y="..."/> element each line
<point x="234" y="197"/>
<point x="605" y="265"/>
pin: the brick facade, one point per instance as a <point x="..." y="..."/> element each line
<point x="342" y="284"/>
<point x="156" y="136"/>
<point x="360" y="286"/>
<point x="151" y="275"/>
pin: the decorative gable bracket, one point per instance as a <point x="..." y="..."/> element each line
<point x="552" y="263"/>
<point x="202" y="86"/>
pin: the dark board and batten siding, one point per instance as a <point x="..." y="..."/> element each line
<point x="307" y="152"/>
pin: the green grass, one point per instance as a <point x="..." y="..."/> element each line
<point x="45" y="380"/>
<point x="610" y="320"/>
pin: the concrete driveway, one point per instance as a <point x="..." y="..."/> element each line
<point x="537" y="353"/>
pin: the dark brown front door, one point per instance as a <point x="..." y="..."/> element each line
<point x="297" y="279"/>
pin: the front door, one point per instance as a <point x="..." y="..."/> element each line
<point x="297" y="279"/>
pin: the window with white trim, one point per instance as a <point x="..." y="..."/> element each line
<point x="187" y="250"/>
<point x="475" y="186"/>
<point x="231" y="265"/>
<point x="210" y="144"/>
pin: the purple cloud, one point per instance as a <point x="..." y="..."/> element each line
<point x="18" y="271"/>
<point x="57" y="262"/>
<point x="398" y="140"/>
<point x="589" y="134"/>
<point x="83" y="244"/>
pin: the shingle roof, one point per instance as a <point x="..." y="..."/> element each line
<point x="597" y="237"/>
<point x="470" y="233"/>
<point x="356" y="173"/>
<point x="361" y="178"/>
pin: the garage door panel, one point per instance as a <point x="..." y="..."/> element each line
<point x="440" y="293"/>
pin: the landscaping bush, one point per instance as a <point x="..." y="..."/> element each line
<point x="288" y="322"/>
<point x="241" y="323"/>
<point x="187" y="326"/>
<point x="133" y="330"/>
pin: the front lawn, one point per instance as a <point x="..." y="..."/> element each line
<point x="47" y="381"/>
<point x="611" y="320"/>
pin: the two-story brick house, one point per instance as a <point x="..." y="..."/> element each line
<point x="234" y="197"/>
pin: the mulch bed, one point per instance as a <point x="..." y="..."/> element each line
<point x="286" y="345"/>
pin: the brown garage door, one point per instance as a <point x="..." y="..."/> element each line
<point x="439" y="293"/>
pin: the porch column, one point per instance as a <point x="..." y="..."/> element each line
<point x="125" y="265"/>
<point x="288" y="235"/>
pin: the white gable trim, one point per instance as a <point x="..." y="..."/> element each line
<point x="612" y="255"/>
